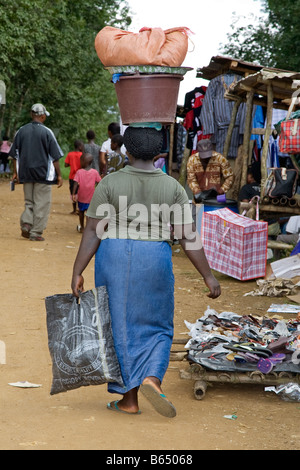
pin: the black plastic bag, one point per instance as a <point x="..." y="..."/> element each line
<point x="204" y="195"/>
<point x="80" y="341"/>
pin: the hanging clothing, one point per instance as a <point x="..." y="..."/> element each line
<point x="193" y="104"/>
<point x="258" y="123"/>
<point x="273" y="151"/>
<point x="216" y="114"/>
<point x="180" y="139"/>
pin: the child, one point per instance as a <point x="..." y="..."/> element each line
<point x="73" y="161"/>
<point x="5" y="145"/>
<point x="85" y="182"/>
<point x="115" y="159"/>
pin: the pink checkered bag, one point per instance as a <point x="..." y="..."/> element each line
<point x="289" y="138"/>
<point x="235" y="245"/>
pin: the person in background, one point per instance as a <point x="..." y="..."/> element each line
<point x="93" y="149"/>
<point x="208" y="170"/>
<point x="36" y="153"/>
<point x="291" y="235"/>
<point x="133" y="259"/>
<point x="5" y="146"/>
<point x="115" y="159"/>
<point x="250" y="189"/>
<point x="73" y="161"/>
<point x="106" y="150"/>
<point x="85" y="181"/>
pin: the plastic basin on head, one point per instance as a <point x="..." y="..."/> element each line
<point x="148" y="98"/>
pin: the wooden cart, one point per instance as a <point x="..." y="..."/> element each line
<point x="202" y="376"/>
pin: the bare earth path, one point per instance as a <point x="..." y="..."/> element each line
<point x="31" y="419"/>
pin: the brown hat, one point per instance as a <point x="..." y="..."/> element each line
<point x="205" y="148"/>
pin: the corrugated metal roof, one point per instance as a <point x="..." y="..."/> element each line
<point x="220" y="65"/>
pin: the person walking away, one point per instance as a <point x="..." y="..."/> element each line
<point x="5" y="146"/>
<point x="73" y="161"/>
<point x="85" y="181"/>
<point x="133" y="259"/>
<point x="36" y="153"/>
<point x="94" y="149"/>
<point x="106" y="150"/>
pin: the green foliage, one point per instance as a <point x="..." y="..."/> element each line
<point x="272" y="40"/>
<point x="285" y="16"/>
<point x="47" y="55"/>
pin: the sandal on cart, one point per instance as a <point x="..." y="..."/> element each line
<point x="277" y="358"/>
<point x="249" y="347"/>
<point x="265" y="365"/>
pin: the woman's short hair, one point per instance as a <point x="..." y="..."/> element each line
<point x="143" y="143"/>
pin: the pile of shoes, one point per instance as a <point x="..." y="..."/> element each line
<point x="232" y="342"/>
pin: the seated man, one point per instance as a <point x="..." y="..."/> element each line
<point x="208" y="169"/>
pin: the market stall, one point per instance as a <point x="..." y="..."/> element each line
<point x="272" y="89"/>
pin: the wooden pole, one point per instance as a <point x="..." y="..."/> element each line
<point x="183" y="167"/>
<point x="231" y="127"/>
<point x="247" y="135"/>
<point x="171" y="148"/>
<point x="264" y="155"/>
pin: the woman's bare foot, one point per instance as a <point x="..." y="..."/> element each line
<point x="129" y="402"/>
<point x="151" y="389"/>
<point x="154" y="381"/>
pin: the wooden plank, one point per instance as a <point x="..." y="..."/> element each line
<point x="279" y="209"/>
<point x="258" y="131"/>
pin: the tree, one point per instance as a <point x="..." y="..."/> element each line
<point x="47" y="55"/>
<point x="272" y="40"/>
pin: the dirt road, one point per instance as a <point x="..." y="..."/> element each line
<point x="31" y="419"/>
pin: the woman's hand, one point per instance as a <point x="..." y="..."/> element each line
<point x="213" y="285"/>
<point x="77" y="285"/>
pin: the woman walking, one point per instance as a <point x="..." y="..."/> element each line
<point x="130" y="223"/>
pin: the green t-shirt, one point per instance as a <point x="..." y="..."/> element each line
<point x="140" y="204"/>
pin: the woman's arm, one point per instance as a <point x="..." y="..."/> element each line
<point x="89" y="244"/>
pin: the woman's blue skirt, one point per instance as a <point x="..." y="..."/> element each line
<point x="140" y="283"/>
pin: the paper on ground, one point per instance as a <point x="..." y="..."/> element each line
<point x="24" y="385"/>
<point x="287" y="268"/>
<point x="284" y="308"/>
